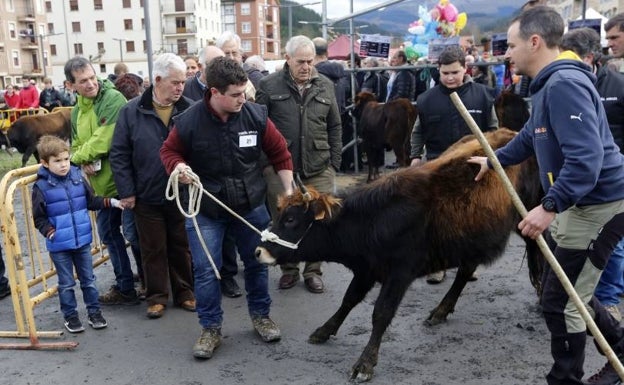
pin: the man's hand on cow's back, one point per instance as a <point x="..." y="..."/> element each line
<point x="416" y="162"/>
<point x="482" y="162"/>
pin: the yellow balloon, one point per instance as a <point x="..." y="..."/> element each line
<point x="461" y="21"/>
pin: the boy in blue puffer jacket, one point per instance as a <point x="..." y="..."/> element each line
<point x="61" y="201"/>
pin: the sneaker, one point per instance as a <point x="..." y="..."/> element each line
<point x="73" y="324"/>
<point x="266" y="328"/>
<point x="5" y="292"/>
<point x="97" y="321"/>
<point x="115" y="297"/>
<point x="437" y="277"/>
<point x="606" y="376"/>
<point x="208" y="341"/>
<point x="614" y="311"/>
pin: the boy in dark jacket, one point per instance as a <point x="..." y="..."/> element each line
<point x="61" y="202"/>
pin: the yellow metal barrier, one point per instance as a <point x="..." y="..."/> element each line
<point x="29" y="271"/>
<point x="7" y="117"/>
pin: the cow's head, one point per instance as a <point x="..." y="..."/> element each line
<point x="297" y="214"/>
<point x="361" y="100"/>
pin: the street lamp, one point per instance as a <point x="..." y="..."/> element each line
<point x="120" y="40"/>
<point x="31" y="35"/>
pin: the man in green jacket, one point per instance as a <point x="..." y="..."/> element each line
<point x="302" y="104"/>
<point x="93" y="121"/>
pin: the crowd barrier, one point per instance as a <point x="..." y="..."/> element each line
<point x="31" y="273"/>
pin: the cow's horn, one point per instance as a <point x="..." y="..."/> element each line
<point x="304" y="191"/>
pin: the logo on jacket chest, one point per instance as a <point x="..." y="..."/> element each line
<point x="247" y="138"/>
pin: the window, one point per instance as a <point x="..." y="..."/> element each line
<point x="246" y="27"/>
<point x="12" y="33"/>
<point x="102" y="68"/>
<point x="141" y="3"/>
<point x="182" y="47"/>
<point x="99" y="25"/>
<point x="143" y="24"/>
<point x="245" y="9"/>
<point x="128" y="24"/>
<point x="75" y="26"/>
<point x="53" y="49"/>
<point x="126" y="4"/>
<point x="78" y="49"/>
<point x="50" y="28"/>
<point x="15" y="56"/>
<point x="48" y="6"/>
<point x="97" y="5"/>
<point x="179" y="6"/>
<point x="73" y="5"/>
<point x="130" y="46"/>
<point x="246" y="45"/>
<point x="180" y="24"/>
<point x="101" y="47"/>
<point x="144" y="46"/>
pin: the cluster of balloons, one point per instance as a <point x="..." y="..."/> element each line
<point x="440" y="22"/>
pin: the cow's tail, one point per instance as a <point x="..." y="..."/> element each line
<point x="535" y="261"/>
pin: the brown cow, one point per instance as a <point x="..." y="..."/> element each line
<point x="384" y="124"/>
<point x="26" y="131"/>
<point x="512" y="110"/>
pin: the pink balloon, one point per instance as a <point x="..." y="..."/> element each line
<point x="447" y="12"/>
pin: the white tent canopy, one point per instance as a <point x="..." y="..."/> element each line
<point x="591" y="13"/>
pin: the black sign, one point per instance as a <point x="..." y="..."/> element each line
<point x="589" y="23"/>
<point x="374" y="46"/>
<point x="499" y="44"/>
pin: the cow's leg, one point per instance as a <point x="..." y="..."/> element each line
<point x="360" y="285"/>
<point x="29" y="151"/>
<point x="439" y="314"/>
<point x="390" y="297"/>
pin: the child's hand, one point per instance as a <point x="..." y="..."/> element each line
<point x="116" y="203"/>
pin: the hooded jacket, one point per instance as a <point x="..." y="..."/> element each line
<point x="336" y="74"/>
<point x="610" y="86"/>
<point x="93" y="122"/>
<point x="579" y="163"/>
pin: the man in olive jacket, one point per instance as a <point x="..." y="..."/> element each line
<point x="302" y="104"/>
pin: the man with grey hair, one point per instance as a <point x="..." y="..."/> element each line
<point x="303" y="106"/>
<point x="585" y="42"/>
<point x="256" y="69"/>
<point x="230" y="44"/>
<point x="195" y="87"/>
<point x="143" y="125"/>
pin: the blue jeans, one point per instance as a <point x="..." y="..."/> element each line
<point x="207" y="287"/>
<point x="611" y="282"/>
<point x="64" y="262"/>
<point x="109" y="227"/>
<point x="131" y="234"/>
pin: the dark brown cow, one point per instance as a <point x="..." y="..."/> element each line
<point x="384" y="125"/>
<point x="409" y="223"/>
<point x="512" y="110"/>
<point x="26" y="131"/>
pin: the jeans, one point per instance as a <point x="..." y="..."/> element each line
<point x="64" y="262"/>
<point x="611" y="282"/>
<point x="207" y="287"/>
<point x="130" y="232"/>
<point x="109" y="227"/>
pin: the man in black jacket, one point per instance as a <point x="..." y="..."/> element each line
<point x="143" y="125"/>
<point x="439" y="123"/>
<point x="402" y="83"/>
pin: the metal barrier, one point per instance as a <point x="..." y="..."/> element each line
<point x="7" y="117"/>
<point x="31" y="272"/>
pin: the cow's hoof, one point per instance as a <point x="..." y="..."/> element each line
<point x="434" y="320"/>
<point x="319" y="336"/>
<point x="362" y="372"/>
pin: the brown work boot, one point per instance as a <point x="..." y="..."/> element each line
<point x="115" y="297"/>
<point x="266" y="328"/>
<point x="209" y="340"/>
<point x="155" y="311"/>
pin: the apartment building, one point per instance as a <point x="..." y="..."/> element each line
<point x="113" y="31"/>
<point x="257" y="22"/>
<point x="23" y="41"/>
<point x="572" y="9"/>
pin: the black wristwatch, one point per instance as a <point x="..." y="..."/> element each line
<point x="549" y="205"/>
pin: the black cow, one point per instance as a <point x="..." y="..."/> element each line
<point x="384" y="125"/>
<point x="512" y="110"/>
<point x="409" y="223"/>
<point x="26" y="131"/>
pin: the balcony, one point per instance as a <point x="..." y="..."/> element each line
<point x="178" y="31"/>
<point x="29" y="45"/>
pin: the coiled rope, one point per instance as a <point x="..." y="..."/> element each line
<point x="195" y="192"/>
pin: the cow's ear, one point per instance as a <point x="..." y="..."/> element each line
<point x="325" y="207"/>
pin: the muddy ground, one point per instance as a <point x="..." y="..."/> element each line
<point x="496" y="336"/>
